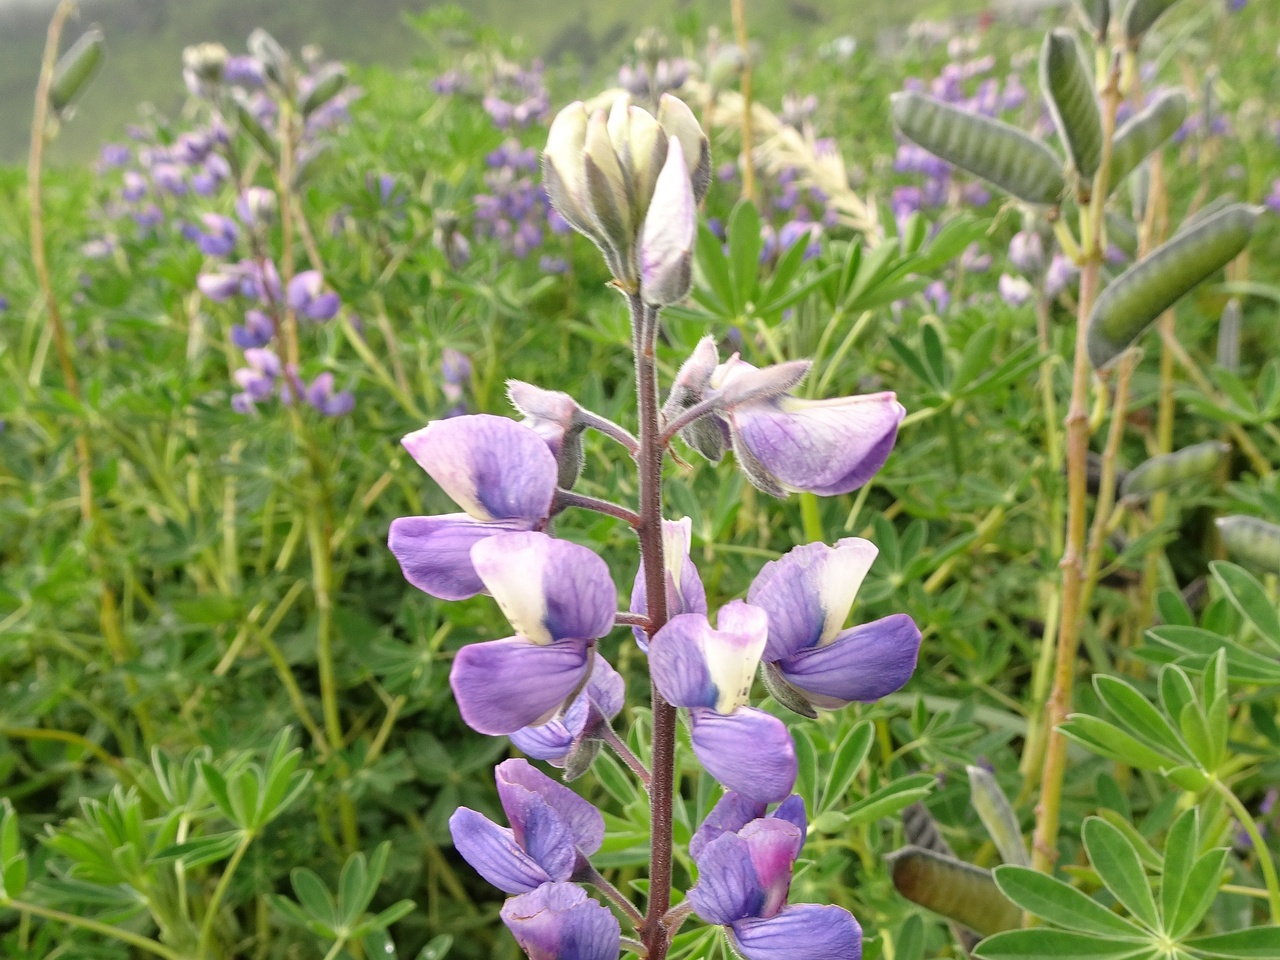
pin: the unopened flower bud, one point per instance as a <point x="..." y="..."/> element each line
<point x="553" y="415"/>
<point x="666" y="246"/>
<point x="693" y="380"/>
<point x="268" y="52"/>
<point x="609" y="197"/>
<point x="678" y="121"/>
<point x="206" y="61"/>
<point x="326" y="85"/>
<point x="256" y="207"/>
<point x="562" y="172"/>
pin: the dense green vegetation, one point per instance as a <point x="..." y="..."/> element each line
<point x="196" y="580"/>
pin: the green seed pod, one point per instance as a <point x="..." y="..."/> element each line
<point x="1152" y="285"/>
<point x="1068" y="87"/>
<point x="957" y="890"/>
<point x="995" y="151"/>
<point x="327" y="85"/>
<point x="74" y="69"/>
<point x="1254" y="541"/>
<point x="1140" y="15"/>
<point x="1146" y="132"/>
<point x="997" y="815"/>
<point x="1122" y="232"/>
<point x="1097" y="14"/>
<point x="1170" y="469"/>
<point x="256" y="131"/>
<point x="1229" y="336"/>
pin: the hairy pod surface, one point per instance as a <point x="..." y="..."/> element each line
<point x="75" y="68"/>
<point x="1254" y="541"/>
<point x="1151" y="286"/>
<point x="1016" y="163"/>
<point x="1146" y="132"/>
<point x="955" y="889"/>
<point x="1068" y="88"/>
<point x="1097" y="14"/>
<point x="1139" y="17"/>
<point x="1170" y="469"/>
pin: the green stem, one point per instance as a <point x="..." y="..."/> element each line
<point x="810" y="518"/>
<point x="220" y="891"/>
<point x="1265" y="862"/>
<point x="96" y="926"/>
<point x="336" y="948"/>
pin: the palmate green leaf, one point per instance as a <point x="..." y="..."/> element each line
<point x="1243" y="665"/>
<point x="1108" y="740"/>
<point x="744" y="253"/>
<point x="1249" y="597"/>
<point x="844" y="765"/>
<point x="1198" y="895"/>
<point x="437" y="949"/>
<point x="1121" y="871"/>
<point x="807" y="767"/>
<point x="314" y="897"/>
<point x="889" y="799"/>
<point x="203" y="850"/>
<point x="713" y="267"/>
<point x="352" y="885"/>
<point x="1062" y="904"/>
<point x="1137" y="714"/>
<point x="1256" y="943"/>
<point x="1059" y="945"/>
<point x="1179" y="856"/>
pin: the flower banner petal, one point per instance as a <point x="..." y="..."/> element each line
<point x="435" y="552"/>
<point x="584" y="820"/>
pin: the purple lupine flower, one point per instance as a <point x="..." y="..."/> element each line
<point x="135" y="186"/>
<point x="744" y="877"/>
<point x="551" y="828"/>
<point x="261" y="281"/>
<point x="560" y="598"/>
<point x="1026" y="252"/>
<point x="256" y="331"/>
<point x="112" y="155"/>
<point x="219" y="236"/>
<point x="807" y="595"/>
<point x="455" y="371"/>
<point x="503" y="476"/>
<point x="599" y="702"/>
<point x="319" y="394"/>
<point x="797" y="231"/>
<point x="1015" y="291"/>
<point x="786" y="444"/>
<point x="1059" y="275"/>
<point x="148" y="217"/>
<point x="709" y="672"/>
<point x="256" y="206"/>
<point x="307" y="297"/>
<point x="257" y="381"/>
<point x="558" y="921"/>
<point x="244" y="71"/>
<point x="938" y="294"/>
<point x="169" y="178"/>
<point x="685" y="593"/>
<point x="220" y="285"/>
<point x="733" y="811"/>
<point x="973" y="260"/>
<point x="670" y="227"/>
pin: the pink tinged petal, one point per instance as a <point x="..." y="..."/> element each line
<point x="805" y="931"/>
<point x="493" y="852"/>
<point x="864" y="663"/>
<point x="678" y="665"/>
<point x="492" y="467"/>
<point x="666" y="240"/>
<point x="808" y="593"/>
<point x="748" y="751"/>
<point x="516" y="777"/>
<point x="731" y="813"/>
<point x="549" y="589"/>
<point x="727" y="888"/>
<point x="774" y="845"/>
<point x="503" y="685"/>
<point x="827" y="447"/>
<point x="558" y="921"/>
<point x="435" y="552"/>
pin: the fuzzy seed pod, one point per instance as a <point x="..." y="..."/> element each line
<point x="75" y="68"/>
<point x="1003" y="154"/>
<point x="955" y="889"/>
<point x="1146" y="132"/>
<point x="328" y="84"/>
<point x="1254" y="541"/>
<point x="1170" y="469"/>
<point x="1097" y="14"/>
<point x="1068" y="87"/>
<point x="1151" y="286"/>
<point x="1139" y="17"/>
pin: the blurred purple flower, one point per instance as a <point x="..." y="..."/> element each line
<point x="257" y="330"/>
<point x="1014" y="291"/>
<point x="218" y="238"/>
<point x="307" y="297"/>
<point x="320" y="395"/>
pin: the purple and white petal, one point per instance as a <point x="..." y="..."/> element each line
<point x="493" y="852"/>
<point x="685" y="593"/>
<point x="492" y="467"/>
<point x="826" y="447"/>
<point x="748" y="751"/>
<point x="774" y="845"/>
<point x="727" y="887"/>
<point x="435" y="552"/>
<point x="731" y="813"/>
<point x="678" y="664"/>
<point x="805" y="931"/>
<point x="558" y="921"/>
<point x="808" y="593"/>
<point x="549" y="589"/>
<point x="503" y="685"/>
<point x="864" y="663"/>
<point x="732" y="652"/>
<point x="517" y="777"/>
